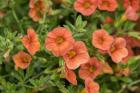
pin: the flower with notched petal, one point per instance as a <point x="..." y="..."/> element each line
<point x="59" y="41"/>
<point x="118" y="50"/>
<point x="109" y="5"/>
<point x="91" y="86"/>
<point x="22" y="60"/>
<point x="76" y="56"/>
<point x="91" y="69"/>
<point x="31" y="42"/>
<point x="85" y="7"/>
<point x="101" y="39"/>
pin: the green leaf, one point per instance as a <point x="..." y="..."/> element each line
<point x="134" y="34"/>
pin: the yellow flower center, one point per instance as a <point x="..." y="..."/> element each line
<point x="92" y="69"/>
<point x="101" y="40"/>
<point x="86" y="5"/>
<point x="105" y="3"/>
<point x="25" y="60"/>
<point x="59" y="40"/>
<point x="112" y="49"/>
<point x="71" y="54"/>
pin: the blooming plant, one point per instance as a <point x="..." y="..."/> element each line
<point x="69" y="46"/>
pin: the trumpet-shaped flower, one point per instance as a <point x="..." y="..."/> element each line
<point x="109" y="5"/>
<point x="59" y="41"/>
<point x="118" y="50"/>
<point x="31" y="42"/>
<point x="22" y="60"/>
<point x="76" y="56"/>
<point x="101" y="39"/>
<point x="85" y="7"/>
<point x="91" y="69"/>
<point x="91" y="86"/>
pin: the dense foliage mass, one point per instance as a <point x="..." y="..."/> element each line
<point x="69" y="46"/>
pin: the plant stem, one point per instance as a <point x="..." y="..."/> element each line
<point x="128" y="86"/>
<point x="133" y="83"/>
<point x="17" y="20"/>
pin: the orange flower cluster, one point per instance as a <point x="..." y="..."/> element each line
<point x="88" y="7"/>
<point x="75" y="54"/>
<point x="132" y="7"/>
<point x="31" y="43"/>
<point x="61" y="43"/>
<point x="115" y="47"/>
<point x="135" y="4"/>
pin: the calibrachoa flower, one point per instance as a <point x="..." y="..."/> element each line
<point x="101" y="39"/>
<point x="91" y="69"/>
<point x="85" y="7"/>
<point x="106" y="68"/>
<point x="91" y="86"/>
<point x="109" y="5"/>
<point x="135" y="4"/>
<point x="122" y="71"/>
<point x="22" y="60"/>
<point x="130" y="54"/>
<point x="118" y="50"/>
<point x="59" y="41"/>
<point x="37" y="9"/>
<point x="70" y="76"/>
<point x="130" y="14"/>
<point x="31" y="42"/>
<point x="76" y="56"/>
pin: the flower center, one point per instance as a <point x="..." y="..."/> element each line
<point x="39" y="8"/>
<point x="86" y="5"/>
<point x="92" y="69"/>
<point x="105" y="3"/>
<point x="25" y="60"/>
<point x="113" y="49"/>
<point x="101" y="40"/>
<point x="59" y="40"/>
<point x="71" y="54"/>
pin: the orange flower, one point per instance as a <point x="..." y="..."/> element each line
<point x="70" y="76"/>
<point x="135" y="4"/>
<point x="101" y="39"/>
<point x="31" y="42"/>
<point x="37" y="9"/>
<point x="130" y="14"/>
<point x="59" y="41"/>
<point x="106" y="68"/>
<point x="118" y="50"/>
<point x="130" y="54"/>
<point x="91" y="86"/>
<point x="77" y="55"/>
<point x="91" y="69"/>
<point x="22" y="60"/>
<point x="109" y="5"/>
<point x="122" y="71"/>
<point x="85" y="7"/>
